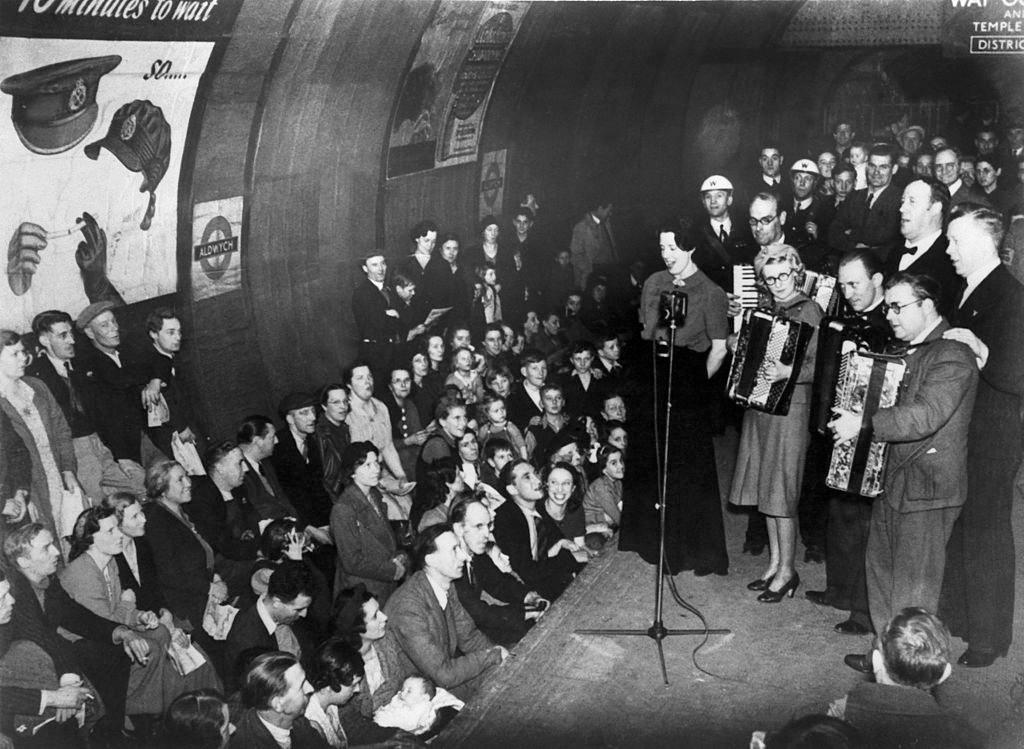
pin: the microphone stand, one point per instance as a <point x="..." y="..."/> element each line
<point x="658" y="631"/>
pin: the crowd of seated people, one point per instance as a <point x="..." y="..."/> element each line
<point x="394" y="532"/>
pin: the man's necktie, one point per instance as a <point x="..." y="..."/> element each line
<point x="76" y="403"/>
<point x="286" y="640"/>
<point x="871" y="200"/>
<point x="723" y="234"/>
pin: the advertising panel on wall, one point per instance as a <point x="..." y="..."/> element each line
<point x="446" y="92"/>
<point x="92" y="137"/>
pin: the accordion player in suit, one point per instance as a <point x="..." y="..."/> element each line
<point x="926" y="476"/>
<point x="773" y="447"/>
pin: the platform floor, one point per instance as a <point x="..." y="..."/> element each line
<point x="562" y="689"/>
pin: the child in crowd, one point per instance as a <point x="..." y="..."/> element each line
<point x="497" y="452"/>
<point x="496" y="424"/>
<point x="910" y="659"/>
<point x="414" y="708"/>
<point x="487" y="294"/>
<point x="499" y="381"/>
<point x="603" y="500"/>
<point x="465" y="376"/>
<point x="859" y="160"/>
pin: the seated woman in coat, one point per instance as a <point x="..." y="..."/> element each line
<point x="367" y="551"/>
<point x="91" y="578"/>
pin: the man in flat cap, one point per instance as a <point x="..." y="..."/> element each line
<point x="299" y="466"/>
<point x="719" y="242"/>
<point x="113" y="387"/>
<point x="910" y="139"/>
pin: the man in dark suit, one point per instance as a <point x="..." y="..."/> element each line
<point x="849" y="515"/>
<point x="374" y="308"/>
<point x="870" y="218"/>
<point x="275" y="692"/>
<point x="296" y="460"/>
<point x="160" y="365"/>
<point x="257" y="437"/>
<point x="922" y="213"/>
<point x="978" y="594"/>
<point x="436" y="636"/>
<point x="925" y="478"/>
<point x="507" y="621"/>
<point x="809" y="216"/>
<point x="224" y="517"/>
<point x="275" y="621"/>
<point x="769" y="177"/>
<point x="97" y="470"/>
<point x="106" y="649"/>
<point x="719" y="242"/>
<point x="112" y="386"/>
<point x="534" y="545"/>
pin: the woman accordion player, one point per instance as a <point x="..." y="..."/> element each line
<point x="773" y="447"/>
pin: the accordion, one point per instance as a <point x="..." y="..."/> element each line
<point x="836" y="337"/>
<point x="822" y="289"/>
<point x="867" y="382"/>
<point x="744" y="286"/>
<point x="764" y="338"/>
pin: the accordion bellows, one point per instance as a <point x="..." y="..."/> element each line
<point x="764" y="338"/>
<point x="866" y="383"/>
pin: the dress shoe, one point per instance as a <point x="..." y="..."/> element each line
<point x="979" y="658"/>
<point x="814" y="555"/>
<point x="819" y="597"/>
<point x="774" y="596"/>
<point x="760" y="583"/>
<point x="858" y="662"/>
<point x="851" y="627"/>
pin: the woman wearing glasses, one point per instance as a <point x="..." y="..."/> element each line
<point x="770" y="464"/>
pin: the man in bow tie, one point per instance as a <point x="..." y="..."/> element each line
<point x="922" y="212"/>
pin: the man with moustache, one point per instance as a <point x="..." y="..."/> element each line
<point x="98" y="472"/>
<point x="978" y="592"/>
<point x="922" y="212"/>
<point x="849" y="515"/>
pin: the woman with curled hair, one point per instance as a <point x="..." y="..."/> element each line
<point x="427" y="381"/>
<point x="34" y="416"/>
<point x="184" y="561"/>
<point x="367" y="549"/>
<point x="773" y="448"/>
<point x="335" y="673"/>
<point x="91" y="579"/>
<point x="442" y="484"/>
<point x="360" y="619"/>
<point x="197" y="720"/>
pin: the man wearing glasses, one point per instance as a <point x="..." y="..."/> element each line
<point x="947" y="171"/>
<point x="925" y="479"/>
<point x="870" y="218"/>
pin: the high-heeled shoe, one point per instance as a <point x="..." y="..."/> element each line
<point x="761" y="583"/>
<point x="774" y="596"/>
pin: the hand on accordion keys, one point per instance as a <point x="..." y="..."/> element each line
<point x="775" y="371"/>
<point x="845" y="426"/>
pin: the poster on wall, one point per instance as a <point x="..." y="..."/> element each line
<point x="446" y="91"/>
<point x="492" y="183"/>
<point x="216" y="247"/>
<point x="90" y="149"/>
<point x="95" y="108"/>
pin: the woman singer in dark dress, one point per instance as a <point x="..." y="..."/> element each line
<point x="694" y="534"/>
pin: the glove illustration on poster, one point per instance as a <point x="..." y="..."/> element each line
<point x="88" y="144"/>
